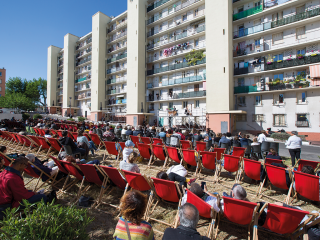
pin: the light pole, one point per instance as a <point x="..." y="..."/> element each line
<point x="70" y="106"/>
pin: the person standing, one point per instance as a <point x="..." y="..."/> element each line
<point x="262" y="137"/>
<point x="294" y="144"/>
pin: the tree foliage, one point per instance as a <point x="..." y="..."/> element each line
<point x="24" y="94"/>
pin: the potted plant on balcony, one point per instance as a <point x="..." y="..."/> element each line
<point x="313" y="54"/>
<point x="300" y="56"/>
<point x="254" y="85"/>
<point x="269" y="63"/>
<point x="194" y="56"/>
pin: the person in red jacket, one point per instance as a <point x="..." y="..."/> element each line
<point x="12" y="189"/>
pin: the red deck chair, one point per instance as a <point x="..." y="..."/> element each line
<point x="53" y="132"/>
<point x="111" y="149"/>
<point x="114" y="175"/>
<point x="159" y="152"/>
<point x="146" y="140"/>
<point x="219" y="152"/>
<point x="37" y="131"/>
<point x="269" y="161"/>
<point x="303" y="163"/>
<point x="184" y="144"/>
<point x="15" y="139"/>
<point x="42" y="132"/>
<point x="190" y="158"/>
<point x="174" y="154"/>
<point x="238" y="151"/>
<point x="277" y="177"/>
<point x="72" y="169"/>
<point x="96" y="139"/>
<point x="252" y="169"/>
<point x="135" y="140"/>
<point x="157" y="140"/>
<point x="205" y="211"/>
<point x="307" y="186"/>
<point x="91" y="175"/>
<point x="55" y="144"/>
<point x="201" y="146"/>
<point x="233" y="164"/>
<point x="87" y="136"/>
<point x="21" y="140"/>
<point x="35" y="139"/>
<point x="209" y="162"/>
<point x="44" y="145"/>
<point x="29" y="142"/>
<point x="7" y="161"/>
<point x="146" y="152"/>
<point x="243" y="213"/>
<point x="59" y="133"/>
<point x="282" y="220"/>
<point x="168" y="192"/>
<point x="74" y="135"/>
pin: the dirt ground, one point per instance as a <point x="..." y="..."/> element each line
<point x="106" y="217"/>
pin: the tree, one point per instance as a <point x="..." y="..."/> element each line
<point x="16" y="85"/>
<point x="17" y="100"/>
<point x="42" y="87"/>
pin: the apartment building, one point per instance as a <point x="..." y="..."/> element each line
<point x="236" y="65"/>
<point x="2" y="81"/>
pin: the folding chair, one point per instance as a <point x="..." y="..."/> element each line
<point x="185" y="144"/>
<point x="111" y="149"/>
<point x="74" y="135"/>
<point x="232" y="164"/>
<point x="7" y="160"/>
<point x="190" y="158"/>
<point x="42" y="132"/>
<point x="284" y="221"/>
<point x="32" y="143"/>
<point x="165" y="191"/>
<point x="301" y="163"/>
<point x="238" y="151"/>
<point x="161" y="153"/>
<point x="53" y="132"/>
<point x="252" y="169"/>
<point x="209" y="162"/>
<point x="55" y="144"/>
<point x="136" y="181"/>
<point x="242" y="213"/>
<point x="114" y="175"/>
<point x="44" y="145"/>
<point x="35" y="139"/>
<point x="59" y="132"/>
<point x="269" y="161"/>
<point x="201" y="146"/>
<point x="96" y="139"/>
<point x="174" y="155"/>
<point x="277" y="177"/>
<point x="21" y="141"/>
<point x="146" y="152"/>
<point x="220" y="152"/>
<point x="306" y="185"/>
<point x="157" y="140"/>
<point x="145" y="140"/>
<point x="205" y="211"/>
<point x="135" y="140"/>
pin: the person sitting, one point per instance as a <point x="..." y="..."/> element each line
<point x="244" y="140"/>
<point x="129" y="132"/>
<point x="80" y="161"/>
<point x="138" y="131"/>
<point x="176" y="173"/>
<point x="12" y="189"/>
<point x="47" y="134"/>
<point x="255" y="142"/>
<point x="109" y="135"/>
<point x="236" y="141"/>
<point x="130" y="165"/>
<point x="273" y="154"/>
<point x="130" y="226"/>
<point x="128" y="149"/>
<point x="217" y="138"/>
<point x="225" y="140"/>
<point x="124" y="130"/>
<point x="99" y="131"/>
<point x="90" y="144"/>
<point x="169" y="133"/>
<point x="66" y="141"/>
<point x="162" y="133"/>
<point x="197" y="137"/>
<point x="188" y="221"/>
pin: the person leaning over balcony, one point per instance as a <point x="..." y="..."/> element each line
<point x="294" y="144"/>
<point x="130" y="226"/>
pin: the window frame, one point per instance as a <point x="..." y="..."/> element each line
<point x="280" y="125"/>
<point x="261" y="118"/>
<point x="237" y="118"/>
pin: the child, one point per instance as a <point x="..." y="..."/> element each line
<point x="127" y="150"/>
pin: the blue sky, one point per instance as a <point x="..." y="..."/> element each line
<point x="28" y="28"/>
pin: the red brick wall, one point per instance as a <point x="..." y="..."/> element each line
<point x="3" y="81"/>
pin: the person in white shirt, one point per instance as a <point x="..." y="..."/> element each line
<point x="262" y="137"/>
<point x="47" y="134"/>
<point x="294" y="144"/>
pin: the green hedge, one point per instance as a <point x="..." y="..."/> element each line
<point x="37" y="116"/>
<point x="25" y="116"/>
<point x="45" y="221"/>
<point x="285" y="136"/>
<point x="81" y="119"/>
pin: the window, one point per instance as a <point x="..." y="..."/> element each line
<point x="281" y="98"/>
<point x="258" y="100"/>
<point x="302" y="51"/>
<point x="196" y="87"/>
<point x="279" y="120"/>
<point x="301" y="9"/>
<point x="242" y="101"/>
<point x="240" y="82"/>
<point x="0" y="74"/>
<point x="277" y="16"/>
<point x="278" y="99"/>
<point x="278" y="57"/>
<point x="280" y="76"/>
<point x="185" y="104"/>
<point x="184" y="17"/>
<point x="0" y="81"/>
<point x="197" y="42"/>
<point x="257" y="118"/>
<point x="161" y="53"/>
<point x="277" y="38"/>
<point x="257" y="4"/>
<point x="301" y="33"/>
<point x="170" y="104"/>
<point x="0" y="89"/>
<point x="302" y="120"/>
<point x="161" y="106"/>
<point x="302" y="98"/>
<point x="240" y="9"/>
<point x="241" y="117"/>
<point x="257" y="42"/>
<point x="197" y="103"/>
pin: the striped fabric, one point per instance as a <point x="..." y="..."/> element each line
<point x="142" y="232"/>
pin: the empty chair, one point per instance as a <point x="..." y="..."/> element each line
<point x="232" y="164"/>
<point x="238" y="151"/>
<point x="190" y="158"/>
<point x="160" y="152"/>
<point x="220" y="152"/>
<point x="201" y="146"/>
<point x="226" y="146"/>
<point x="185" y="144"/>
<point x="174" y="155"/>
<point x="265" y="147"/>
<point x="252" y="169"/>
<point x="256" y="149"/>
<point x="111" y="149"/>
<point x="209" y="162"/>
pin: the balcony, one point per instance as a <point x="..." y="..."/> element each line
<point x="302" y="123"/>
<point x="110" y="60"/>
<point x="273" y="3"/>
<point x="171" y="11"/>
<point x="239" y="71"/>
<point x="114" y="102"/>
<point x="116" y="80"/>
<point x="113" y="70"/>
<point x="117" y="37"/>
<point x="176" y="38"/>
<point x="81" y="80"/>
<point x="117" y="26"/>
<point x="247" y="12"/>
<point x="115" y="91"/>
<point x="155" y="5"/>
<point x="179" y="81"/>
<point x="245" y="89"/>
<point x="292" y="63"/>
<point x="198" y="94"/>
<point x="252" y="30"/>
<point x="173" y="67"/>
<point x="83" y="61"/>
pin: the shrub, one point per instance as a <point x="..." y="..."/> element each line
<point x="70" y="119"/>
<point x="46" y="221"/>
<point x="81" y="119"/>
<point x="25" y="116"/>
<point x="37" y="116"/>
<point x="285" y="136"/>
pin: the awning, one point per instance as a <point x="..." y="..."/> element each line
<point x="120" y="96"/>
<point x="315" y="71"/>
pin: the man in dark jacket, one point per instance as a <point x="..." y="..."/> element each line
<point x="66" y="141"/>
<point x="129" y="132"/>
<point x="138" y="131"/>
<point x="188" y="218"/>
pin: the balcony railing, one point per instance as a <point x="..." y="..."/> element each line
<point x="292" y="63"/>
<point x="179" y="81"/>
<point x="247" y="12"/>
<point x="116" y="80"/>
<point x="83" y="61"/>
<point x="117" y="26"/>
<point x="251" y="30"/>
<point x="110" y="50"/>
<point x="239" y="71"/>
<point x="110" y="60"/>
<point x="245" y="89"/>
<point x="173" y="67"/>
<point x="273" y="3"/>
<point x="302" y="123"/>
<point x="155" y="5"/>
<point x="117" y="37"/>
<point x="119" y="101"/>
<point x="197" y="94"/>
<point x="112" y="70"/>
<point x="177" y="37"/>
<point x="171" y="11"/>
<point x="81" y="80"/>
<point x="114" y="91"/>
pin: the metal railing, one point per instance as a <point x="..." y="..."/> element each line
<point x="302" y="123"/>
<point x="170" y="82"/>
<point x="83" y="61"/>
<point x="113" y="70"/>
<point x="81" y="80"/>
<point x="117" y="26"/>
<point x="155" y="5"/>
<point x="291" y="63"/>
<point x="196" y="94"/>
<point x="117" y="37"/>
<point x="110" y="60"/>
<point x="116" y="80"/>
<point x="245" y="89"/>
<point x="247" y="12"/>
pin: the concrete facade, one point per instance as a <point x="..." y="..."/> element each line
<point x="2" y="82"/>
